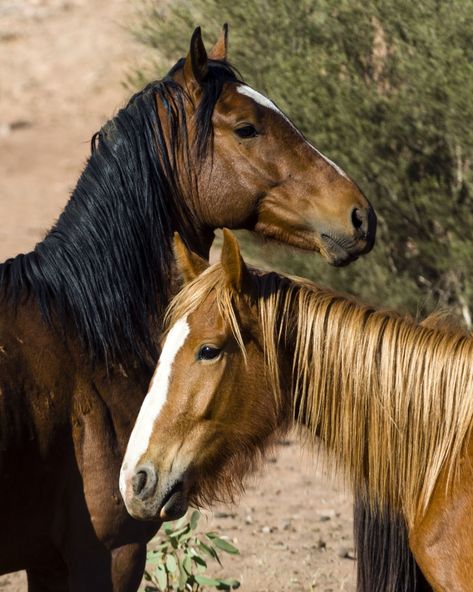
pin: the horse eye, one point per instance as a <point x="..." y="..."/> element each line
<point x="207" y="352"/>
<point x="246" y="131"/>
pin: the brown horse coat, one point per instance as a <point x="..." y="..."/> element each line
<point x="80" y="316"/>
<point x="248" y="354"/>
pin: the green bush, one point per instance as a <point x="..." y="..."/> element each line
<point x="384" y="88"/>
<point x="178" y="562"/>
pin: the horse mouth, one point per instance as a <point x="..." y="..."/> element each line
<point x="175" y="503"/>
<point x="337" y="252"/>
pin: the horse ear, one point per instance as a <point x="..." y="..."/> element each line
<point x="189" y="264"/>
<point x="234" y="267"/>
<point x="220" y="49"/>
<point x="196" y="66"/>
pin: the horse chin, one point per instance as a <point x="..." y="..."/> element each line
<point x="329" y="248"/>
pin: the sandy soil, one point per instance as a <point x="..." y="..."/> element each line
<point x="62" y="63"/>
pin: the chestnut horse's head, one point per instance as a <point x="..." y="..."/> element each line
<point x="260" y="172"/>
<point x="211" y="409"/>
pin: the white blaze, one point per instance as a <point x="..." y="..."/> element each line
<point x="265" y="102"/>
<point x="154" y="401"/>
<point x="246" y="90"/>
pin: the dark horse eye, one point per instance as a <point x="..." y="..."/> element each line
<point x="207" y="352"/>
<point x="246" y="131"/>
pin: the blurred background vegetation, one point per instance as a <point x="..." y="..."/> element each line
<point x="385" y="89"/>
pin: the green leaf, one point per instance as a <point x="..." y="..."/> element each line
<point x="222" y="544"/>
<point x="187" y="564"/>
<point x="209" y="550"/>
<point x="199" y="560"/>
<point x="155" y="558"/>
<point x="205" y="581"/>
<point x="171" y="563"/>
<point x="161" y="578"/>
<point x="183" y="577"/>
<point x="180" y="531"/>
<point x="194" y="519"/>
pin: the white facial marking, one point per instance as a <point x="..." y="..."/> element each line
<point x="244" y="89"/>
<point x="339" y="169"/>
<point x="154" y="401"/>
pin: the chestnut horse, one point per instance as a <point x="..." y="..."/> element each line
<point x="248" y="354"/>
<point x="81" y="314"/>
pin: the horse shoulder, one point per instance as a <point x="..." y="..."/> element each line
<point x="442" y="541"/>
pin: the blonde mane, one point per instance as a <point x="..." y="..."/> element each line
<point x="391" y="399"/>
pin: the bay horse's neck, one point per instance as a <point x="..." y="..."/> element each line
<point x="391" y="399"/>
<point x="104" y="269"/>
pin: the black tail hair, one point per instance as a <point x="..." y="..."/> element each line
<point x="385" y="561"/>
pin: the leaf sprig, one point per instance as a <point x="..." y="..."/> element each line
<point x="179" y="562"/>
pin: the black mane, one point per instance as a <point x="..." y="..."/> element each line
<point x="104" y="268"/>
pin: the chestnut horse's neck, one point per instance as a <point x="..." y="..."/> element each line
<point x="105" y="267"/>
<point x="391" y="399"/>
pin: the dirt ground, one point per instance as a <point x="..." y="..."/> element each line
<point x="62" y="63"/>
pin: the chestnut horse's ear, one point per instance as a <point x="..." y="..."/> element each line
<point x="220" y="49"/>
<point x="196" y="66"/>
<point x="189" y="264"/>
<point x="234" y="267"/>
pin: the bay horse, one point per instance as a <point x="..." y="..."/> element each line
<point x="248" y="354"/>
<point x="81" y="315"/>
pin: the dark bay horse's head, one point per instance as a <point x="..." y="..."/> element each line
<point x="211" y="409"/>
<point x="260" y="172"/>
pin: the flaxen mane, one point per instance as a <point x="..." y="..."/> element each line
<point x="391" y="399"/>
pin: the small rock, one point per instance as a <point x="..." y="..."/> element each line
<point x="326" y="514"/>
<point x="266" y="530"/>
<point x="249" y="519"/>
<point x="346" y="553"/>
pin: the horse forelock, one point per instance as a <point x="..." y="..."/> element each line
<point x="104" y="267"/>
<point x="391" y="398"/>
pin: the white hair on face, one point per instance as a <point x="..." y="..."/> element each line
<point x="246" y="90"/>
<point x="154" y="400"/>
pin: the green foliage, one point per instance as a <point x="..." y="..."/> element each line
<point x="179" y="561"/>
<point x="384" y="88"/>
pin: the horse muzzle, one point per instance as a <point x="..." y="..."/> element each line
<point x="148" y="496"/>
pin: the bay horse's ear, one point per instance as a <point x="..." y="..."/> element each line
<point x="220" y="49"/>
<point x="234" y="267"/>
<point x="189" y="264"/>
<point x="196" y="66"/>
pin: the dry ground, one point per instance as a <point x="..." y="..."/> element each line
<point x="61" y="67"/>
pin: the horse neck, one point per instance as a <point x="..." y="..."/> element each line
<point x="105" y="269"/>
<point x="391" y="400"/>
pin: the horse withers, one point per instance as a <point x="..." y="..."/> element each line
<point x="248" y="354"/>
<point x="81" y="314"/>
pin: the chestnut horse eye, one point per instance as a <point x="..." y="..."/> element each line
<point x="246" y="131"/>
<point x="207" y="352"/>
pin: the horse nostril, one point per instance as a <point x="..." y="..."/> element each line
<point x="144" y="481"/>
<point x="359" y="219"/>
